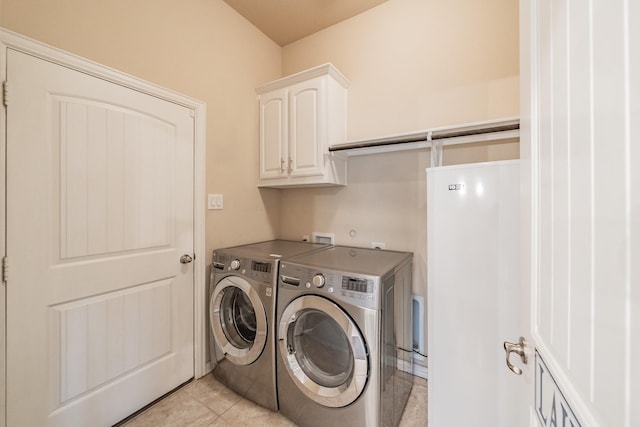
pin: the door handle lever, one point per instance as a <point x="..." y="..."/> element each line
<point x="518" y="349"/>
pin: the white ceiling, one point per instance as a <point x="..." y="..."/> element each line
<point x="285" y="21"/>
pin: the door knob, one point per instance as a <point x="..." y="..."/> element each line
<point x="186" y="259"/>
<point x="518" y="349"/>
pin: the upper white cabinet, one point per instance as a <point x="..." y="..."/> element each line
<point x="300" y="117"/>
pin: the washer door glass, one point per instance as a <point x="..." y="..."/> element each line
<point x="323" y="351"/>
<point x="238" y="320"/>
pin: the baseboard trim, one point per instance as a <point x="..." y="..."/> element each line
<point x="418" y="370"/>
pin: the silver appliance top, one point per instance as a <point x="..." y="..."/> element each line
<point x="258" y="261"/>
<point x="272" y="249"/>
<point x="373" y="262"/>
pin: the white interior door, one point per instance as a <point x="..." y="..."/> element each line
<point x="580" y="97"/>
<point x="473" y="292"/>
<point x="99" y="212"/>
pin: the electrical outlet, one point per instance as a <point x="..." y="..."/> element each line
<point x="325" y="238"/>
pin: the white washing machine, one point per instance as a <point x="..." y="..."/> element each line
<point x="242" y="303"/>
<point x="344" y="337"/>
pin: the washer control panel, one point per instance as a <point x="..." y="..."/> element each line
<point x="357" y="289"/>
<point x="247" y="267"/>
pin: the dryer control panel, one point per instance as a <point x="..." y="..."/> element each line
<point x="357" y="289"/>
<point x="357" y="285"/>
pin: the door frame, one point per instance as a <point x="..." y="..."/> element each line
<point x="12" y="40"/>
<point x="529" y="202"/>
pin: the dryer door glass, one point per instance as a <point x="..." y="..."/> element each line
<point x="322" y="348"/>
<point x="323" y="351"/>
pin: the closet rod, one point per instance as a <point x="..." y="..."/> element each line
<point x="433" y="135"/>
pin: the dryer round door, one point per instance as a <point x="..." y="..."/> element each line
<point x="323" y="351"/>
<point x="238" y="320"/>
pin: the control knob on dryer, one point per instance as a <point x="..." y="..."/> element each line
<point x="235" y="264"/>
<point x="318" y="280"/>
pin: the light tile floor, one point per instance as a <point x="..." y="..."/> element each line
<point x="208" y="403"/>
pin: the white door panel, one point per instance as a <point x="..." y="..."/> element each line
<point x="100" y="209"/>
<point x="126" y="158"/>
<point x="580" y="121"/>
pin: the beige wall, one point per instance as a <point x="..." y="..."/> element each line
<point x="201" y="48"/>
<point x="413" y="64"/>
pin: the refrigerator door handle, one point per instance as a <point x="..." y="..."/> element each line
<point x="518" y="349"/>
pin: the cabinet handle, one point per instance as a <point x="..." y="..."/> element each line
<point x="290" y="168"/>
<point x="282" y="165"/>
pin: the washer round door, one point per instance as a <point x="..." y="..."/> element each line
<point x="238" y="320"/>
<point x="323" y="351"/>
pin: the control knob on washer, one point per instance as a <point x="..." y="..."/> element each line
<point x="318" y="280"/>
<point x="235" y="264"/>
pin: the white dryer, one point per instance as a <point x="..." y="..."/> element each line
<point x="242" y="304"/>
<point x="344" y="337"/>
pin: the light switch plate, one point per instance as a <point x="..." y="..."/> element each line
<point x="214" y="201"/>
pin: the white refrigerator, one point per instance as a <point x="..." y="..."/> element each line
<point x="473" y="220"/>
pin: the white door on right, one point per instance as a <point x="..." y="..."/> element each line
<point x="580" y="149"/>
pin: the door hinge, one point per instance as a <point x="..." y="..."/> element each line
<point x="5" y="94"/>
<point x="5" y="269"/>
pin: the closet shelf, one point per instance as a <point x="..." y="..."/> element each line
<point x="490" y="130"/>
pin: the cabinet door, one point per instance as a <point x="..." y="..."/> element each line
<point x="307" y="127"/>
<point x="273" y="134"/>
